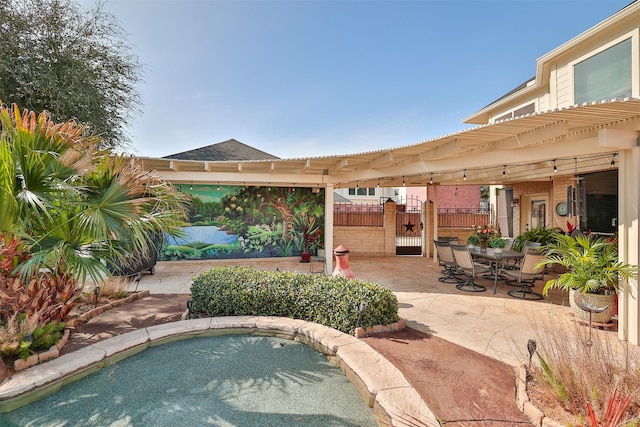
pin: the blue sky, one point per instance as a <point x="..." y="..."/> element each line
<point x="315" y="78"/>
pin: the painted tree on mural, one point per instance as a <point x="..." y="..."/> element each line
<point x="205" y="212"/>
<point x="296" y="210"/>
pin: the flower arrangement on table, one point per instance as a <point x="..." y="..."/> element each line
<point x="485" y="233"/>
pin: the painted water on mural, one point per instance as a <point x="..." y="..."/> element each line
<point x="209" y="234"/>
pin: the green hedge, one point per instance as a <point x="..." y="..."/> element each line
<point x="330" y="301"/>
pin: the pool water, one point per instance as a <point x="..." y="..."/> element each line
<point x="230" y="380"/>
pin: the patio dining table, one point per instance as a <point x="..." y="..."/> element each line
<point x="495" y="261"/>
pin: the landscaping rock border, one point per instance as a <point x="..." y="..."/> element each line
<point x="54" y="351"/>
<point x="535" y="414"/>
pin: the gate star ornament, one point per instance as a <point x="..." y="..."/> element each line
<point x="408" y="226"/>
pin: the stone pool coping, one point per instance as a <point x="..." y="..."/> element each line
<point x="380" y="384"/>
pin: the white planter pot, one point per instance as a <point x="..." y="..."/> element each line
<point x="597" y="301"/>
<point x="497" y="250"/>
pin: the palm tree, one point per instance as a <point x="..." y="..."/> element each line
<point x="72" y="208"/>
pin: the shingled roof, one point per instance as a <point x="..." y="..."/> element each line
<point x="226" y="150"/>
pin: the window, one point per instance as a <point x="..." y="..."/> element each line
<point x="604" y="75"/>
<point x="538" y="213"/>
<point x="362" y="191"/>
<point x="527" y="109"/>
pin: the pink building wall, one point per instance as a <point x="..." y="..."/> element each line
<point x="449" y="196"/>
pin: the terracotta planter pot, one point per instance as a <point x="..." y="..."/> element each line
<point x="596" y="301"/>
<point x="305" y="256"/>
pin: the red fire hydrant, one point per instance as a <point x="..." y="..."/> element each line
<point x="342" y="263"/>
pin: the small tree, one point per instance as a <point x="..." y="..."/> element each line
<point x="57" y="57"/>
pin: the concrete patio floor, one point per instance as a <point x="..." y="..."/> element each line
<point x="495" y="325"/>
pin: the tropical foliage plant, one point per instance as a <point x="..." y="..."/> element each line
<point x="68" y="211"/>
<point x="542" y="235"/>
<point x="592" y="264"/>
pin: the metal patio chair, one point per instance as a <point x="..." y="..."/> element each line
<point x="526" y="276"/>
<point x="470" y="268"/>
<point x="448" y="262"/>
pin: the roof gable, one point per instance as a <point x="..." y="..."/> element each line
<point x="226" y="150"/>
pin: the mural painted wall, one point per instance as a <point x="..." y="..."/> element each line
<point x="249" y="222"/>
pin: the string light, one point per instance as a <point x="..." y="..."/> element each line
<point x="218" y="185"/>
<point x="519" y="170"/>
<point x="191" y="186"/>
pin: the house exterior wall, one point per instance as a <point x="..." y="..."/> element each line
<point x="557" y="89"/>
<point x="380" y="193"/>
<point x="448" y="195"/>
<point x="555" y="191"/>
<point x="457" y="196"/>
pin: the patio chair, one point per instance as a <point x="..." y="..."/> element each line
<point x="471" y="269"/>
<point x="509" y="244"/>
<point x="526" y="276"/>
<point x="448" y="262"/>
<point x="528" y="245"/>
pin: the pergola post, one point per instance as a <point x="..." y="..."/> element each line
<point x="328" y="227"/>
<point x="628" y="242"/>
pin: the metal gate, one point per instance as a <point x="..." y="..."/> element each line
<point x="409" y="227"/>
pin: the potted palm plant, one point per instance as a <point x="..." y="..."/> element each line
<point x="592" y="268"/>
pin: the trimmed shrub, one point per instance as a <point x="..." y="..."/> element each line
<point x="329" y="301"/>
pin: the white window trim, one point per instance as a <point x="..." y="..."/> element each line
<point x="635" y="85"/>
